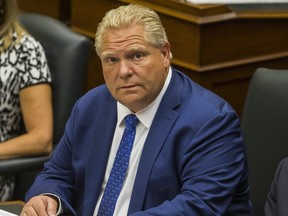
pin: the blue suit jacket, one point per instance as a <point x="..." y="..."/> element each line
<point x="277" y="199"/>
<point x="193" y="161"/>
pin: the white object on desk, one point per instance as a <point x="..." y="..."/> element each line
<point x="234" y="1"/>
<point x="6" y="213"/>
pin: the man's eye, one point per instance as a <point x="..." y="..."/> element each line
<point x="111" y="60"/>
<point x="137" y="56"/>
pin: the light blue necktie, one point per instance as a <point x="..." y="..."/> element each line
<point x="119" y="169"/>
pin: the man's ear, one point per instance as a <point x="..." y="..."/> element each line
<point x="166" y="54"/>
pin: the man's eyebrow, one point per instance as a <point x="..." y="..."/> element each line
<point x="137" y="50"/>
<point x="106" y="54"/>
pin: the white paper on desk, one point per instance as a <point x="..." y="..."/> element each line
<point x="6" y="213"/>
<point x="234" y="1"/>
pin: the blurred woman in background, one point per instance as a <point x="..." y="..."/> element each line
<point x="25" y="94"/>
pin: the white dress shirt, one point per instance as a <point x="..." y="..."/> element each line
<point x="145" y="117"/>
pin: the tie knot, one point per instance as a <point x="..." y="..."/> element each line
<point x="131" y="120"/>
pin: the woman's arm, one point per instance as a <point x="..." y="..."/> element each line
<point x="36" y="106"/>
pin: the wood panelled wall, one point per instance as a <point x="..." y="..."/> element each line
<point x="59" y="9"/>
<point x="216" y="46"/>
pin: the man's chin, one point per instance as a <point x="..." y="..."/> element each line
<point x="133" y="102"/>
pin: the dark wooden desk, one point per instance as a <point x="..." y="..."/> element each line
<point x="218" y="46"/>
<point x="14" y="207"/>
<point x="59" y="9"/>
<point x="215" y="45"/>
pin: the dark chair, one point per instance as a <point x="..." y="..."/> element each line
<point x="265" y="130"/>
<point x="67" y="55"/>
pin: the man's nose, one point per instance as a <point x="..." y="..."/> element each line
<point x="125" y="69"/>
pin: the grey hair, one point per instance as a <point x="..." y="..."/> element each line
<point x="126" y="15"/>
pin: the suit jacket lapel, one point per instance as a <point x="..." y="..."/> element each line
<point x="162" y="123"/>
<point x="98" y="154"/>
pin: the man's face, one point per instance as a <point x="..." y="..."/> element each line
<point x="134" y="71"/>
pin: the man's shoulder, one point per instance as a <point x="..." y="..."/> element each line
<point x="199" y="97"/>
<point x="96" y="95"/>
<point x="101" y="90"/>
<point x="284" y="164"/>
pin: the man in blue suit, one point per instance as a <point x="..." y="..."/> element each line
<point x="188" y="156"/>
<point x="277" y="199"/>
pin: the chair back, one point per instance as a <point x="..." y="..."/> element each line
<point x="67" y="54"/>
<point x="265" y="129"/>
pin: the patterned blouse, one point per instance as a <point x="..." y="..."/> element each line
<point x="21" y="65"/>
